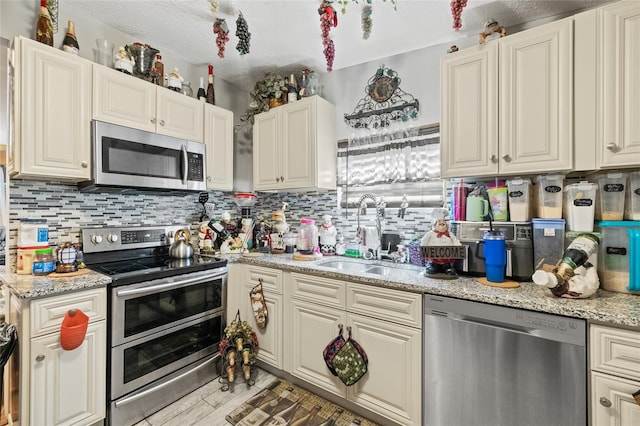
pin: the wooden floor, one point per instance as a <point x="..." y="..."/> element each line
<point x="207" y="405"/>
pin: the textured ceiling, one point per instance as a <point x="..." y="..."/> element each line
<point x="285" y="35"/>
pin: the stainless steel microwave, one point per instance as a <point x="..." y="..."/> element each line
<point x="126" y="158"/>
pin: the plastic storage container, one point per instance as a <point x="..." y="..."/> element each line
<point x="497" y="192"/>
<point x="44" y="262"/>
<point x="611" y="196"/>
<point x="619" y="256"/>
<point x="548" y="242"/>
<point x="550" y="196"/>
<point x="33" y="233"/>
<point x="307" y="240"/>
<point x="581" y="205"/>
<point x="632" y="203"/>
<point x="519" y="195"/>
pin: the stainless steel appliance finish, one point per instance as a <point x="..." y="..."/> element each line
<point x="130" y="158"/>
<point x="519" y="242"/>
<point x="491" y="365"/>
<point x="166" y="318"/>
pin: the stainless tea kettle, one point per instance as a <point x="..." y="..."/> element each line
<point x="181" y="247"/>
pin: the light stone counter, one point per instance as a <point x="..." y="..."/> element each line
<point x="617" y="309"/>
<point x="32" y="287"/>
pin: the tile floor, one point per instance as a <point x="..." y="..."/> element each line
<point x="207" y="405"/>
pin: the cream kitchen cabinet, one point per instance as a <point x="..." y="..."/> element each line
<point x="242" y="278"/>
<point x="506" y="107"/>
<point x="218" y="137"/>
<point x="58" y="386"/>
<point x="129" y="101"/>
<point x="52" y="104"/>
<point x="615" y="375"/>
<point x="386" y="323"/>
<point x="294" y="147"/>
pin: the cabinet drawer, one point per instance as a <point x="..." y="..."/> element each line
<point x="612" y="400"/>
<point x="47" y="314"/>
<point x="397" y="306"/>
<point x="320" y="290"/>
<point x="615" y="351"/>
<point x="271" y="278"/>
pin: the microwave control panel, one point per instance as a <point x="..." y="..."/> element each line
<point x="196" y="167"/>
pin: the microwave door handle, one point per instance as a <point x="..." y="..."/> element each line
<point x="185" y="164"/>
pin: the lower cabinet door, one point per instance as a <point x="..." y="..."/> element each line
<point x="392" y="385"/>
<point x="270" y="337"/>
<point x="68" y="387"/>
<point x="612" y="401"/>
<point x="312" y="328"/>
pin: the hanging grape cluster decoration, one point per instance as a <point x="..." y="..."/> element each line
<point x="367" y="22"/>
<point x="243" y="34"/>
<point x="221" y="30"/>
<point x="328" y="18"/>
<point x="456" y="12"/>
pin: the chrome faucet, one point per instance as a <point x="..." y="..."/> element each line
<point x="363" y="210"/>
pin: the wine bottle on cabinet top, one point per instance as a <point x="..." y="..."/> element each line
<point x="211" y="95"/>
<point x="70" y="42"/>
<point x="44" y="28"/>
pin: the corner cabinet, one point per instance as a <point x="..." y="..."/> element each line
<point x="506" y="107"/>
<point x="389" y="332"/>
<point x="58" y="386"/>
<point x="125" y="100"/>
<point x="218" y="137"/>
<point x="294" y="147"/>
<point x="615" y="375"/>
<point x="52" y="104"/>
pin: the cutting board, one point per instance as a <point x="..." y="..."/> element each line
<point x="69" y="274"/>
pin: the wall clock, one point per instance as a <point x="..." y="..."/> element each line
<point x="382" y="88"/>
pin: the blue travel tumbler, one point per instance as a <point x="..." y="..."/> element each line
<point x="495" y="255"/>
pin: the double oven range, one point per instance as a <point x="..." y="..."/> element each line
<point x="166" y="318"/>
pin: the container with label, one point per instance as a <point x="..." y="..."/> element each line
<point x="550" y="189"/>
<point x="44" y="262"/>
<point x="611" y="196"/>
<point x="33" y="233"/>
<point x="497" y="192"/>
<point x="548" y="243"/>
<point x="519" y="207"/>
<point x="581" y="204"/>
<point x="632" y="203"/>
<point x="24" y="260"/>
<point x="619" y="256"/>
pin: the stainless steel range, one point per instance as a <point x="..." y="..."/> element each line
<point x="166" y="318"/>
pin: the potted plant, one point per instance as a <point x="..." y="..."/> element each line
<point x="267" y="93"/>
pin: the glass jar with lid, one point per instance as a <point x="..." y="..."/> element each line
<point x="307" y="239"/>
<point x="186" y="89"/>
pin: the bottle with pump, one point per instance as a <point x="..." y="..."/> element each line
<point x="202" y="95"/>
<point x="211" y="95"/>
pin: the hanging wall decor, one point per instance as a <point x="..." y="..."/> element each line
<point x="367" y="22"/>
<point x="52" y="6"/>
<point x="456" y="12"/>
<point x="243" y="34"/>
<point x="221" y="30"/>
<point x="328" y="19"/>
<point x="214" y="7"/>
<point x="384" y="103"/>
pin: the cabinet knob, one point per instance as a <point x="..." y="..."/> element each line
<point x="162" y="122"/>
<point x="493" y="159"/>
<point x="506" y="158"/>
<point x="40" y="358"/>
<point x="84" y="164"/>
<point x="277" y="179"/>
<point x="612" y="146"/>
<point x="281" y="178"/>
<point x="605" y="402"/>
<point x="153" y="120"/>
<point x="208" y="178"/>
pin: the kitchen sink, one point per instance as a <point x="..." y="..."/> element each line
<point x="375" y="268"/>
<point x="345" y="265"/>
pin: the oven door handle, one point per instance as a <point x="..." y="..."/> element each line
<point x="185" y="164"/>
<point x="168" y="285"/>
<point x="135" y="397"/>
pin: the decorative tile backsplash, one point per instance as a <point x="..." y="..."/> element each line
<point x="67" y="210"/>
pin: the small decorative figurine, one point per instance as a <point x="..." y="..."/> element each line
<point x="439" y="236"/>
<point x="174" y="81"/>
<point x="327" y="233"/>
<point x="123" y="62"/>
<point x="452" y="49"/>
<point x="492" y="30"/>
<point x="403" y="207"/>
<point x="280" y="224"/>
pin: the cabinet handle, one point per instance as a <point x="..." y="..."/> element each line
<point x="208" y="178"/>
<point x="162" y="122"/>
<point x="493" y="159"/>
<point x="40" y="358"/>
<point x="277" y="179"/>
<point x="281" y="178"/>
<point x="605" y="402"/>
<point x="506" y="158"/>
<point x="612" y="146"/>
<point x="153" y="120"/>
<point x="84" y="164"/>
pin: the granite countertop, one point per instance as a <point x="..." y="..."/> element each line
<point x="34" y="287"/>
<point x="612" y="308"/>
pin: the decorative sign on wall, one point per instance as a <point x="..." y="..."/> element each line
<point x="384" y="103"/>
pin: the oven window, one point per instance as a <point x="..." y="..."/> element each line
<point x="138" y="159"/>
<point x="159" y="309"/>
<point x="154" y="354"/>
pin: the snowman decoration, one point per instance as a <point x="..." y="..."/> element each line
<point x="439" y="235"/>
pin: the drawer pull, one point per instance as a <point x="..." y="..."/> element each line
<point x="605" y="402"/>
<point x="40" y="358"/>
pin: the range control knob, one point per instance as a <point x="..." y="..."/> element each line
<point x="112" y="238"/>
<point x="96" y="239"/>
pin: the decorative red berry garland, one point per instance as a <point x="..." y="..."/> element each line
<point x="328" y="18"/>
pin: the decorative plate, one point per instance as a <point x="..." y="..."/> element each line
<point x="382" y="88"/>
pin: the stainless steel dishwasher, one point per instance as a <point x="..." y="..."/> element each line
<point x="491" y="365"/>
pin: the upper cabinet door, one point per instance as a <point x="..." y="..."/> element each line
<point x="536" y="110"/>
<point x="266" y="158"/>
<point x="619" y="49"/>
<point x="178" y="115"/>
<point x="122" y="99"/>
<point x="469" y="112"/>
<point x="218" y="136"/>
<point x="298" y="140"/>
<point x="53" y="103"/>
